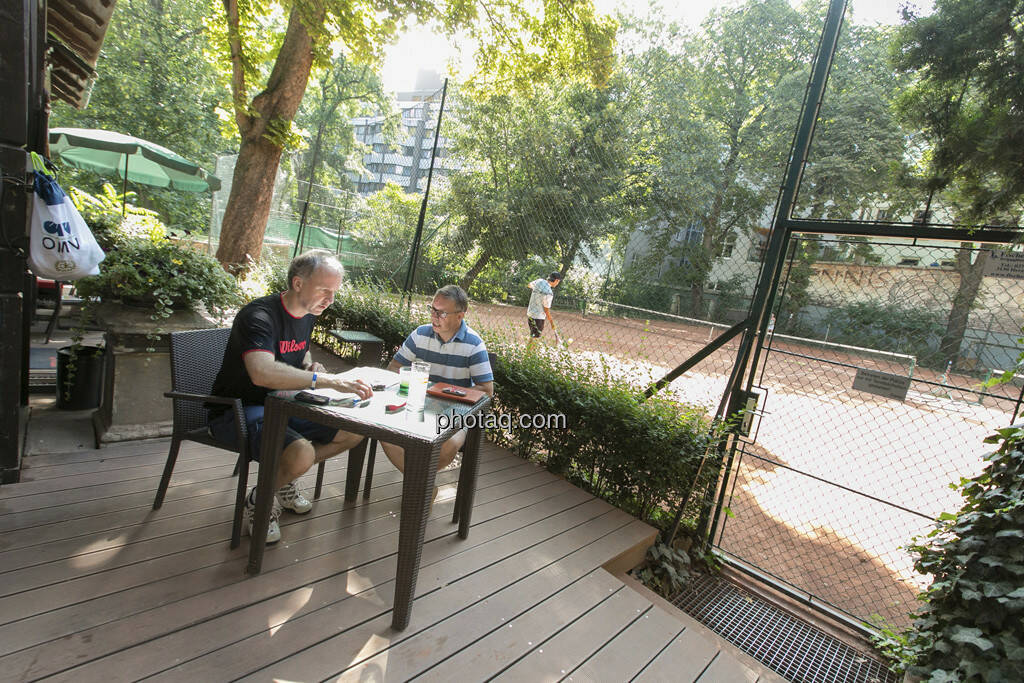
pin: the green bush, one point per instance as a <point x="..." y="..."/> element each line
<point x="369" y="307"/>
<point x="887" y="327"/>
<point x="103" y="214"/>
<point x="162" y="274"/>
<point x="972" y="625"/>
<point x="640" y="456"/>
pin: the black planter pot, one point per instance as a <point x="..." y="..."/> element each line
<point x="84" y="388"/>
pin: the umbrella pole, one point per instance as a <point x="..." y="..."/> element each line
<point x="124" y="188"/>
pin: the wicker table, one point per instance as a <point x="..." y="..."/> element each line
<point x="416" y="432"/>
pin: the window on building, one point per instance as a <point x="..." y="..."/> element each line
<point x="693" y="233"/>
<point x="727" y="246"/>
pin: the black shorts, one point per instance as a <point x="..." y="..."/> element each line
<point x="222" y="428"/>
<point x="536" y="326"/>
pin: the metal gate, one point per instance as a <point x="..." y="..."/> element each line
<point x="872" y="405"/>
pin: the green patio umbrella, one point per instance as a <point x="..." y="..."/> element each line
<point x="130" y="158"/>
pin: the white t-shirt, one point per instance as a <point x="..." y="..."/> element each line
<point x="540" y="299"/>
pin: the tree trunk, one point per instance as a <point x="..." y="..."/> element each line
<point x="569" y="258"/>
<point x="471" y="275"/>
<point x="259" y="155"/>
<point x="971" y="275"/>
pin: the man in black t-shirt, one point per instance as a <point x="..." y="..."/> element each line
<point x="268" y="349"/>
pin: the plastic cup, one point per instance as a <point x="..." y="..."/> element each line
<point x="418" y="378"/>
<point x="403" y="380"/>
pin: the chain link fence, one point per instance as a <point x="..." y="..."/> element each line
<point x="875" y="402"/>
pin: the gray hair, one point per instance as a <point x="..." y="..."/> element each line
<point x="456" y="294"/>
<point x="304" y="265"/>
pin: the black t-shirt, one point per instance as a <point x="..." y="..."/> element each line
<point x="263" y="325"/>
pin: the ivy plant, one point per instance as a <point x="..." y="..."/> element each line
<point x="972" y="625"/>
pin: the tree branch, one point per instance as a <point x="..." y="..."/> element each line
<point x="239" y="92"/>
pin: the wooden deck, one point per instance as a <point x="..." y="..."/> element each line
<point x="96" y="586"/>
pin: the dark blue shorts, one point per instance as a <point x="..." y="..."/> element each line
<point x="536" y="325"/>
<point x="222" y="427"/>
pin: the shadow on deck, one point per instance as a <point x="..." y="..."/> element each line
<point x="96" y="585"/>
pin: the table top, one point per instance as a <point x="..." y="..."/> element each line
<point x="418" y="424"/>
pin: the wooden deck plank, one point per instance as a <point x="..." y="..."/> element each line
<point x="339" y="597"/>
<point x="120" y="449"/>
<point x="34" y="473"/>
<point x="683" y="659"/>
<point x="146" y="579"/>
<point x="621" y="658"/>
<point x="576" y="641"/>
<point x="93" y="582"/>
<point x="113" y="531"/>
<point x="210" y="593"/>
<point x="726" y="668"/>
<point x="85" y="555"/>
<point x="177" y="502"/>
<point x="501" y="645"/>
<point x="535" y="572"/>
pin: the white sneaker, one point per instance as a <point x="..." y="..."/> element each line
<point x="273" y="529"/>
<point x="291" y="498"/>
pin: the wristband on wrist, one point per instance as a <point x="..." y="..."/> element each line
<point x="312" y="383"/>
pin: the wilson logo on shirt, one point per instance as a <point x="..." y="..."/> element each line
<point x="291" y="346"/>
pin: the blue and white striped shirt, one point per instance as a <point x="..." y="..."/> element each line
<point x="461" y="361"/>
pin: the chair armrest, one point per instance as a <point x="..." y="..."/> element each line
<point x="236" y="404"/>
<point x="223" y="400"/>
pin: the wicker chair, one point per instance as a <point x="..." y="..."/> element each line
<point x="195" y="360"/>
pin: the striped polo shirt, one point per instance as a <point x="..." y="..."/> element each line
<point x="461" y="361"/>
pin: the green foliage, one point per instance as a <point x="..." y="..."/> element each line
<point x="541" y="177"/>
<point x="369" y="306"/>
<point x="633" y="288"/>
<point x="966" y="57"/>
<point x="665" y="570"/>
<point x="897" y="646"/>
<point x="158" y="80"/>
<point x="887" y="327"/>
<point x="386" y="229"/>
<point x="972" y="625"/>
<point x="103" y="214"/>
<point x="163" y="274"/>
<point x="798" y="283"/>
<point x="732" y="295"/>
<point x="639" y="455"/>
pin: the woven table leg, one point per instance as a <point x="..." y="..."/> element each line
<point x="417" y="492"/>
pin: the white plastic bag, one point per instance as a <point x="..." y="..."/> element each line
<point x="61" y="245"/>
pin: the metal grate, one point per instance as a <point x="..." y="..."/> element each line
<point x="793" y="649"/>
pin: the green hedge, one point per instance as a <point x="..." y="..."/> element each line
<point x="368" y="308"/>
<point x="640" y="456"/>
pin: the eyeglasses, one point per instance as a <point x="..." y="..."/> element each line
<point x="438" y="313"/>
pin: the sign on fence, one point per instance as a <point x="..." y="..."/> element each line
<point x="882" y="383"/>
<point x="1005" y="264"/>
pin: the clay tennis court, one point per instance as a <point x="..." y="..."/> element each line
<point x="834" y="481"/>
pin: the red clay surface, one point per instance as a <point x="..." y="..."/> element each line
<point x="836" y="480"/>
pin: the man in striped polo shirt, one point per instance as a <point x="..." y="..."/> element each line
<point x="456" y="354"/>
